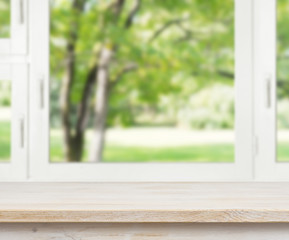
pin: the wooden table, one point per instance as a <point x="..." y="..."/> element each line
<point x="202" y="211"/>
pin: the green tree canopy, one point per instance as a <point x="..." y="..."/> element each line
<point x="174" y="47"/>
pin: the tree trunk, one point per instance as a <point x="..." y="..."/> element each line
<point x="75" y="150"/>
<point x="101" y="105"/>
<point x="65" y="103"/>
<point x="70" y="149"/>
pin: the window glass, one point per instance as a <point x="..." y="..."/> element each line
<point x="4" y="18"/>
<point x="283" y="79"/>
<point x="142" y="81"/>
<point x="5" y="120"/>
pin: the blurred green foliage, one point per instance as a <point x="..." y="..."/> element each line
<point x="5" y="93"/>
<point x="5" y="140"/>
<point x="283" y="63"/>
<point x="4" y="18"/>
<point x="197" y="43"/>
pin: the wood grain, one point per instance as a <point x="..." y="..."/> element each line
<point x="144" y="202"/>
<point x="111" y="231"/>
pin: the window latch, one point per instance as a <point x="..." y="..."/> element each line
<point x="268" y="80"/>
<point x="21" y="11"/>
<point x="21" y="131"/>
<point x="41" y="91"/>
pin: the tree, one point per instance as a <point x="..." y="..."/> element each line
<point x="282" y="49"/>
<point x="111" y="47"/>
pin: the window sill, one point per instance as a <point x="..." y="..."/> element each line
<point x="144" y="202"/>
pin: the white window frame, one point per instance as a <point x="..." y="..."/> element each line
<point x="16" y="168"/>
<point x="42" y="170"/>
<point x="266" y="164"/>
<point x="17" y="43"/>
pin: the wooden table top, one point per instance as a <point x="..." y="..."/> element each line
<point x="144" y="202"/>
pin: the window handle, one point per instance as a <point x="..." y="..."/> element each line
<point x="41" y="92"/>
<point x="268" y="82"/>
<point x="21" y="131"/>
<point x="21" y="11"/>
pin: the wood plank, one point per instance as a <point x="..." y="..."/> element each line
<point x="144" y="202"/>
<point x="110" y="231"/>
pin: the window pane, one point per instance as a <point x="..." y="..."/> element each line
<point x="5" y="120"/>
<point x="4" y="18"/>
<point x="152" y="82"/>
<point x="283" y="79"/>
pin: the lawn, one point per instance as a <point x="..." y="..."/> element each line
<point x="283" y="152"/>
<point x="113" y="153"/>
<point x="192" y="153"/>
<point x="118" y="153"/>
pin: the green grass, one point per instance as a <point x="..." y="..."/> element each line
<point x="113" y="153"/>
<point x="204" y="153"/>
<point x="117" y="153"/>
<point x="283" y="152"/>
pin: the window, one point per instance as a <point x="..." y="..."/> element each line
<point x="282" y="80"/>
<point x="13" y="121"/>
<point x="170" y="95"/>
<point x="144" y="90"/>
<point x="13" y="27"/>
<point x="270" y="100"/>
<point x="152" y="133"/>
<point x="5" y="120"/>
